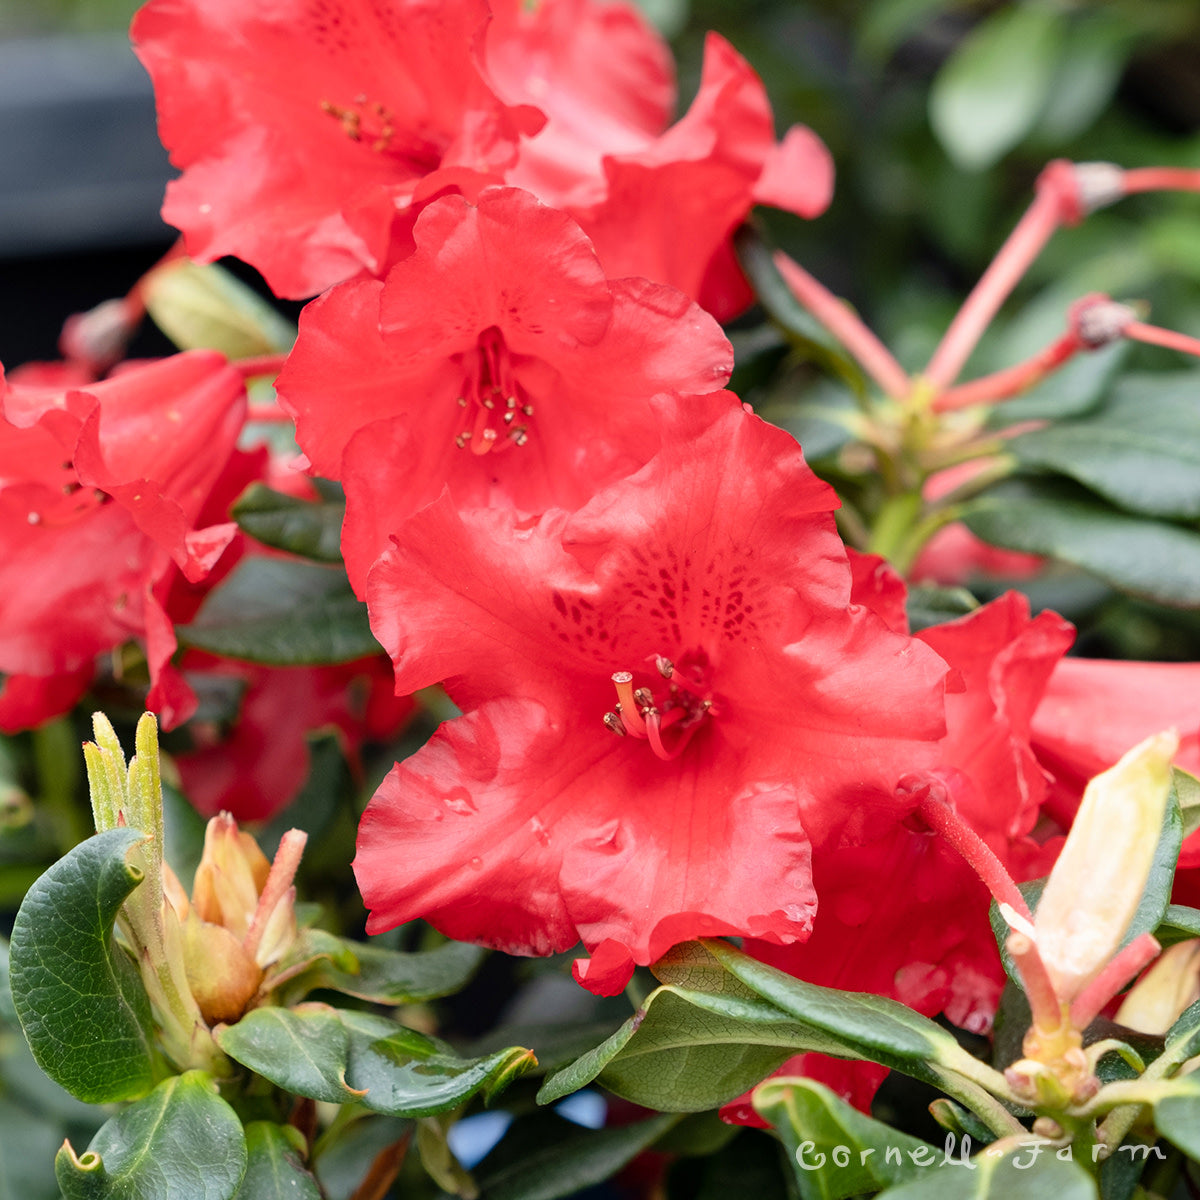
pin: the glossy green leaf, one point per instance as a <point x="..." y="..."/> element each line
<point x="1178" y="924"/>
<point x="340" y="1056"/>
<point x="308" y="528"/>
<point x="1087" y="74"/>
<point x="78" y="996"/>
<point x="181" y="1142"/>
<point x="274" y="1170"/>
<point x="285" y="613"/>
<point x="1140" y="450"/>
<point x="1030" y="1172"/>
<point x="304" y="1050"/>
<point x="1183" y="1038"/>
<point x="835" y="1150"/>
<point x="395" y="977"/>
<point x="723" y="1021"/>
<point x="202" y="306"/>
<point x="929" y="606"/>
<point x="873" y="1027"/>
<point x="804" y="332"/>
<point x="994" y="87"/>
<point x="1177" y="1118"/>
<point x="1139" y="555"/>
<point x="1071" y="391"/>
<point x="688" y="1051"/>
<point x="569" y="1163"/>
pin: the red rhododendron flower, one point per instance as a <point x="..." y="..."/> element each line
<point x="100" y="489"/>
<point x="1095" y="710"/>
<point x="761" y="713"/>
<point x="258" y="765"/>
<point x="305" y="127"/>
<point x="657" y="202"/>
<point x="310" y="133"/>
<point x="497" y="360"/>
<point x="901" y="913"/>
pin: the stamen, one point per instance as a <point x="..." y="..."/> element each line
<point x="666" y="668"/>
<point x="614" y="723"/>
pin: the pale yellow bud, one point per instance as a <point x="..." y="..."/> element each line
<point x="1097" y="883"/>
<point x="1159" y="998"/>
<point x="230" y="876"/>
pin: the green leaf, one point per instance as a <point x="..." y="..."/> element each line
<point x="676" y="1056"/>
<point x="834" y="1149"/>
<point x="408" y="1075"/>
<point x="1032" y="1173"/>
<point x="181" y="1142"/>
<point x="1183" y="1038"/>
<point x="274" y="1170"/>
<point x="1177" y="1118"/>
<point x="395" y="977"/>
<point x="1071" y="391"/>
<point x="994" y="87"/>
<point x="567" y="1164"/>
<point x="308" y="528"/>
<point x="723" y="1021"/>
<point x="304" y="1050"/>
<point x="804" y="332"/>
<point x="1177" y="925"/>
<point x="1141" y="556"/>
<point x="284" y="613"/>
<point x="1088" y="72"/>
<point x="935" y="605"/>
<point x="79" y="997"/>
<point x="341" y="1056"/>
<point x="872" y="1027"/>
<point x="202" y="306"/>
<point x="1141" y="450"/>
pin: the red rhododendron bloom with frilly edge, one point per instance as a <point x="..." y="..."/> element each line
<point x="668" y="700"/>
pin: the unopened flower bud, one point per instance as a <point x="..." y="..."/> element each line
<point x="1096" y="885"/>
<point x="1162" y="994"/>
<point x="231" y="874"/>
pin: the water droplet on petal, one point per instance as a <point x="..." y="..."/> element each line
<point x="475" y="864"/>
<point x="459" y="801"/>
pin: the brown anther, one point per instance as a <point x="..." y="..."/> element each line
<point x="508" y="418"/>
<point x="644" y="698"/>
<point x="461" y="402"/>
<point x="511" y="401"/>
<point x="614" y="723"/>
<point x="520" y="436"/>
<point x="666" y="668"/>
<point x="527" y="409"/>
<point x="489" y="404"/>
<point x="460" y="440"/>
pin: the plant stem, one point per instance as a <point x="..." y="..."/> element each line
<point x="1012" y="381"/>
<point x="845" y="325"/>
<point x="1154" y="336"/>
<point x="1024" y="244"/>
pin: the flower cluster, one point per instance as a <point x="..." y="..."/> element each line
<point x="688" y="708"/>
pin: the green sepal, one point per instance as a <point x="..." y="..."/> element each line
<point x="78" y="996"/>
<point x="836" y="1151"/>
<point x="180" y="1142"/>
<point x="309" y="528"/>
<point x="283" y="612"/>
<point x="342" y="1056"/>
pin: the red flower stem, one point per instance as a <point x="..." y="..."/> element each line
<point x="279" y="879"/>
<point x="1012" y="381"/>
<point x="1044" y="1005"/>
<point x="1154" y="336"/>
<point x="845" y="325"/>
<point x="1024" y="244"/>
<point x="1117" y="972"/>
<point x="1160" y="179"/>
<point x="262" y="364"/>
<point x="978" y="855"/>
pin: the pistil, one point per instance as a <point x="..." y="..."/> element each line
<point x="639" y="713"/>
